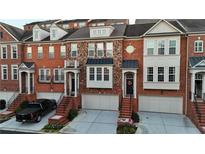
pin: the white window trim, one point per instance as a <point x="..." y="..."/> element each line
<point x="2" y="75"/>
<point x="169" y="46"/>
<point x="109" y="50"/>
<point x="102" y="50"/>
<point x="38" y="49"/>
<point x="195" y="46"/>
<point x="39" y="74"/>
<point x="71" y="52"/>
<point x="51" y="49"/>
<point x="62" y="48"/>
<point x="150" y="74"/>
<point x="4" y="46"/>
<point x="12" y="72"/>
<point x="12" y="51"/>
<point x="89" y="50"/>
<point x="172" y="74"/>
<point x="30" y="50"/>
<point x="57" y="81"/>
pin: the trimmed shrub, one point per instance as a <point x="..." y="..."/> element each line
<point x="126" y="129"/>
<point x="135" y="117"/>
<point x="72" y="114"/>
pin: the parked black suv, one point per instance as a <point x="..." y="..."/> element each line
<point x="34" y="111"/>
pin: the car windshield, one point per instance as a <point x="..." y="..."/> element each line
<point x="33" y="105"/>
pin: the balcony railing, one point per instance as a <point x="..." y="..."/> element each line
<point x="71" y="64"/>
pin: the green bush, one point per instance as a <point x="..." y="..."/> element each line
<point x="126" y="129"/>
<point x="52" y="128"/>
<point x="22" y="106"/>
<point x="135" y="117"/>
<point x="72" y="114"/>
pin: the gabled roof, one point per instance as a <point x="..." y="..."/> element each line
<point x="84" y="33"/>
<point x="15" y="32"/>
<point x="129" y="64"/>
<point x="102" y="61"/>
<point x="43" y="22"/>
<point x="73" y="20"/>
<point x="193" y="61"/>
<point x="27" y="64"/>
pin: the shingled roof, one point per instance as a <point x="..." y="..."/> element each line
<point x="16" y="32"/>
<point x="193" y="25"/>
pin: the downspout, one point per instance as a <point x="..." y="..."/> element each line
<point x="187" y="62"/>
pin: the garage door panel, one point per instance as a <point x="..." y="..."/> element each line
<point x="161" y="104"/>
<point x="101" y="102"/>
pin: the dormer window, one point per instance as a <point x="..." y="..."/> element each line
<point x="53" y="33"/>
<point x="104" y="31"/>
<point x="82" y="24"/>
<point x="56" y="32"/>
<point x="36" y="34"/>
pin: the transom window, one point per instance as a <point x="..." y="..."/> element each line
<point x="172" y="47"/>
<point x="198" y="76"/>
<point x="29" y="53"/>
<point x="51" y="52"/>
<point x="14" y="72"/>
<point x="161" y="47"/>
<point x="4" y="52"/>
<point x="58" y="75"/>
<point x="198" y="46"/>
<point x="171" y="74"/>
<point x="74" y="50"/>
<point x="92" y="73"/>
<point x="109" y="49"/>
<point x="150" y="47"/>
<point x="91" y="50"/>
<point x="4" y="72"/>
<point x="150" y="74"/>
<point x="160" y="73"/>
<point x="100" y="50"/>
<point x="44" y="75"/>
<point x="40" y="52"/>
<point x="63" y="51"/>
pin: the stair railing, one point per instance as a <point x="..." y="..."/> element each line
<point x="60" y="98"/>
<point x="131" y="96"/>
<point x="13" y="97"/>
<point x="197" y="108"/>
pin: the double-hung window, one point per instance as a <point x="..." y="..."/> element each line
<point x="51" y="52"/>
<point x="91" y="50"/>
<point x="14" y="72"/>
<point x="100" y="50"/>
<point x="160" y="74"/>
<point x="58" y="75"/>
<point x="150" y="47"/>
<point x="91" y="73"/>
<point x="171" y="74"/>
<point x="150" y="74"/>
<point x="99" y="74"/>
<point x="29" y="53"/>
<point x="4" y="54"/>
<point x="74" y="50"/>
<point x="106" y="74"/>
<point x="198" y="46"/>
<point x="109" y="49"/>
<point x="40" y="52"/>
<point x="63" y="51"/>
<point x="4" y="72"/>
<point x="172" y="47"/>
<point x="161" y="47"/>
<point x="44" y="75"/>
<point x="14" y="52"/>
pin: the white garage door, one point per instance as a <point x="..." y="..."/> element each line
<point x="100" y="102"/>
<point x="161" y="104"/>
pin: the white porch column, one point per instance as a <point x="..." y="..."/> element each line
<point x="123" y="82"/>
<point x="135" y="85"/>
<point x="20" y="82"/>
<point x="192" y="86"/>
<point x="203" y="85"/>
<point x="29" y="83"/>
<point x="65" y="84"/>
<point x="76" y="85"/>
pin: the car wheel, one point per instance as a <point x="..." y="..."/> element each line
<point x="38" y="119"/>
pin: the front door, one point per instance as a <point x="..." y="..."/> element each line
<point x="72" y="86"/>
<point x="198" y="88"/>
<point x="129" y="85"/>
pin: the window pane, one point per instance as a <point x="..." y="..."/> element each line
<point x="92" y="74"/>
<point x="74" y="50"/>
<point x="109" y="49"/>
<point x="100" y="50"/>
<point x="171" y="74"/>
<point x="160" y="73"/>
<point x="161" y="46"/>
<point x="91" y="50"/>
<point x="63" y="51"/>
<point x="150" y="74"/>
<point x="40" y="52"/>
<point x="150" y="47"/>
<point x="106" y="74"/>
<point x="51" y="52"/>
<point x="172" y="47"/>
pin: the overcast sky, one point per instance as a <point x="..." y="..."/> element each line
<point x="19" y="23"/>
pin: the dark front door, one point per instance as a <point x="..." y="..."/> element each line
<point x="73" y="86"/>
<point x="198" y="88"/>
<point x="129" y="85"/>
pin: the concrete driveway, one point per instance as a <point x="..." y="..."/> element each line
<point x="12" y="125"/>
<point x="93" y="122"/>
<point x="162" y="123"/>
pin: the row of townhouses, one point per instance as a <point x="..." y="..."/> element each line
<point x="152" y="65"/>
